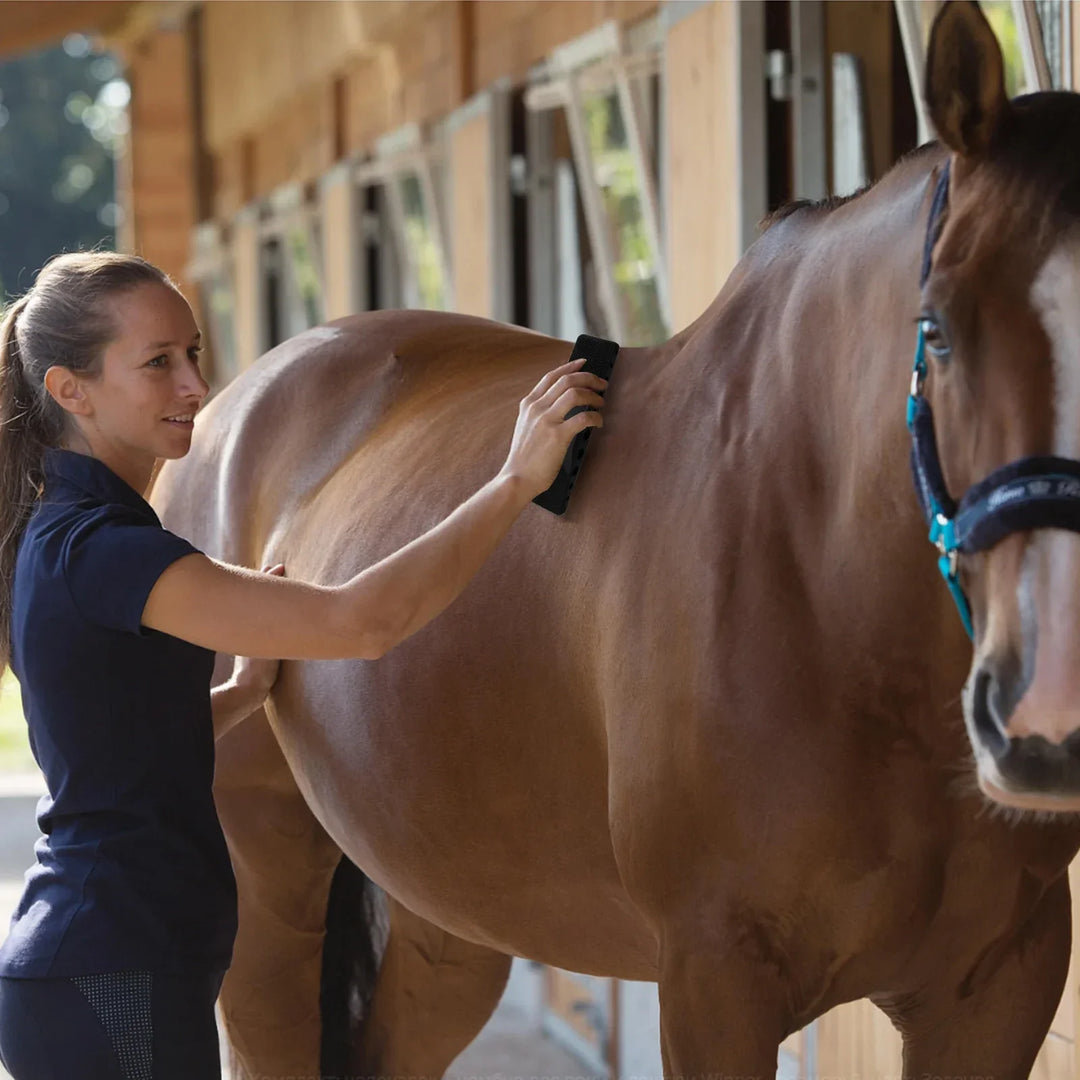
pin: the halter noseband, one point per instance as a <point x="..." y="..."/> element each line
<point x="1030" y="493"/>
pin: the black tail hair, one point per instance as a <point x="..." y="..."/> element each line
<point x="349" y="968"/>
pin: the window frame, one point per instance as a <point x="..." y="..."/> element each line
<point x="605" y="59"/>
<point x="210" y="266"/>
<point x="407" y="150"/>
<point x="285" y="210"/>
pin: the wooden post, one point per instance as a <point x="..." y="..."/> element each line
<point x="248" y="284"/>
<point x="715" y="124"/>
<point x="340" y="242"/>
<point x="162" y="166"/>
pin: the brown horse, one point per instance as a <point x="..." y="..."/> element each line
<point x="706" y="729"/>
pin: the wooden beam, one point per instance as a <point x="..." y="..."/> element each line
<point x="31" y="24"/>
<point x="162" y="151"/>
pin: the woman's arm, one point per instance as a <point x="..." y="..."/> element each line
<point x="246" y="688"/>
<point x="230" y="609"/>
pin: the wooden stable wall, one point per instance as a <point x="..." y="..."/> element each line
<point x="160" y="170"/>
<point x="339" y="201"/>
<point x="317" y="80"/>
<point x="1076" y="44"/>
<point x="702" y="124"/>
<point x="714" y="122"/>
<point x="470" y="213"/>
<point x="511" y="35"/>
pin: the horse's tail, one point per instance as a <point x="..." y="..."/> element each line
<point x="351" y="953"/>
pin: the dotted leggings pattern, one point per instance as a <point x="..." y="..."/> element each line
<point x="121" y="1000"/>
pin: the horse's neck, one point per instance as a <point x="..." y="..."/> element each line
<point x="791" y="391"/>
<point x="807" y="350"/>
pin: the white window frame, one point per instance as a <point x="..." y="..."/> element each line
<point x="602" y="59"/>
<point x="211" y="258"/>
<point x="407" y="150"/>
<point x="337" y="175"/>
<point x="377" y="231"/>
<point x="851" y="166"/>
<point x="1038" y="71"/>
<point x="283" y="211"/>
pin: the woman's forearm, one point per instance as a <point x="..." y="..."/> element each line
<point x="232" y="702"/>
<point x="412" y="586"/>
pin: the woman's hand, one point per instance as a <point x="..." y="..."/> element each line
<point x="257" y="676"/>
<point x="543" y="433"/>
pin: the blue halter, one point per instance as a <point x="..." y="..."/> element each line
<point x="1030" y="493"/>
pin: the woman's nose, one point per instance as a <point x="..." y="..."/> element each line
<point x="192" y="382"/>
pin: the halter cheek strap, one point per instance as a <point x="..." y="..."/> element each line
<point x="1037" y="492"/>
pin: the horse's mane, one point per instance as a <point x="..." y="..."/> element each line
<point x="1038" y="145"/>
<point x="832" y="202"/>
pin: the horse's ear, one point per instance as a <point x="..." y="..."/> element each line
<point x="965" y="78"/>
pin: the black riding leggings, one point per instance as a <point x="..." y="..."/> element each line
<point x="130" y="1025"/>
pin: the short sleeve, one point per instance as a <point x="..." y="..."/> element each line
<point x="111" y="561"/>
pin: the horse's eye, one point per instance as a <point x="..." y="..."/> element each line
<point x="937" y="344"/>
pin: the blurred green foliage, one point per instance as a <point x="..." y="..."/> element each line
<point x="1002" y="17"/>
<point x="62" y="114"/>
<point x="15" y="755"/>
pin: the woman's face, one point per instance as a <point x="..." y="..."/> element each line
<point x="143" y="403"/>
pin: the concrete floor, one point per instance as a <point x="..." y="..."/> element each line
<point x="511" y="1046"/>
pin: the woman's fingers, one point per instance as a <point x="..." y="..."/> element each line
<point x="573" y="398"/>
<point x="580" y="379"/>
<point x="551" y="377"/>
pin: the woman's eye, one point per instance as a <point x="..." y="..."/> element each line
<point x="195" y="352"/>
<point x="158" y="361"/>
<point x="936" y="341"/>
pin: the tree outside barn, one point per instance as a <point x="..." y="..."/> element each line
<point x="62" y="121"/>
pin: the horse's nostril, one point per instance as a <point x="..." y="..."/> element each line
<point x="986" y="709"/>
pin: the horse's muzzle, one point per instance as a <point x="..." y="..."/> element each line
<point x="1024" y="770"/>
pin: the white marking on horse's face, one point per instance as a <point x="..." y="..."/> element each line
<point x="1055" y="297"/>
<point x="1048" y="589"/>
<point x="1053" y="557"/>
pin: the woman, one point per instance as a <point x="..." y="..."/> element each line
<point x="117" y="948"/>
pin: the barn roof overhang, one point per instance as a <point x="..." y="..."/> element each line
<point x="26" y="25"/>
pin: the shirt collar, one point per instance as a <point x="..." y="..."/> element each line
<point x="89" y="474"/>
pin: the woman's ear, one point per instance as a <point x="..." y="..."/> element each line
<point x="965" y="79"/>
<point x="66" y="389"/>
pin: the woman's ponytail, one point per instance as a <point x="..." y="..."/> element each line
<point x="20" y="463"/>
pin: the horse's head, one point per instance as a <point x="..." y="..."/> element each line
<point x="1001" y="324"/>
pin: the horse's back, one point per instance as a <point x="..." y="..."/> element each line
<point x="352" y="394"/>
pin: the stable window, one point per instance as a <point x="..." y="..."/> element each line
<point x="290" y="266"/>
<point x="381" y="270"/>
<point x="1051" y="21"/>
<point x="605" y="89"/>
<point x="405" y="206"/>
<point x="211" y="270"/>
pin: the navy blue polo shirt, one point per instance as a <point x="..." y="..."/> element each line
<point x="132" y="870"/>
